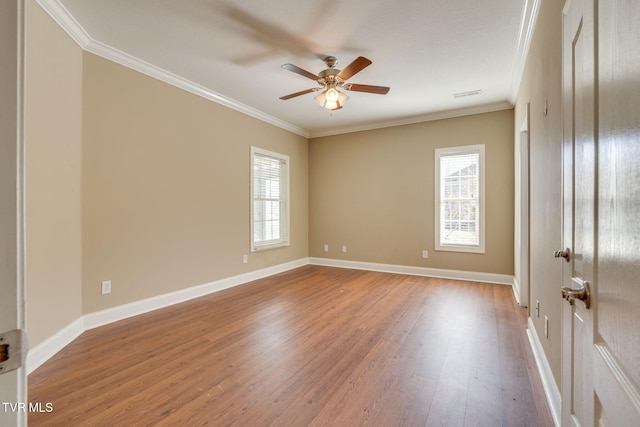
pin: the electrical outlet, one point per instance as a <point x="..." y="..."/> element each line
<point x="326" y="248"/>
<point x="537" y="308"/>
<point x="546" y="327"/>
<point x="344" y="248"/>
<point x="425" y="254"/>
<point x="245" y="259"/>
<point x="106" y="287"/>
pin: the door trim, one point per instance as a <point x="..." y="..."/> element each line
<point x="521" y="223"/>
<point x="14" y="382"/>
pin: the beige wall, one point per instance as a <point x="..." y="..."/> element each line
<point x="541" y="83"/>
<point x="132" y="180"/>
<point x="138" y="182"/>
<point x="374" y="192"/>
<point x="166" y="189"/>
<point x="53" y="66"/>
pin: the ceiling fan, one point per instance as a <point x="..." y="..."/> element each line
<point x="331" y="79"/>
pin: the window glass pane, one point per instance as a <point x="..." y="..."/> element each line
<point x="269" y="204"/>
<point x="459" y="175"/>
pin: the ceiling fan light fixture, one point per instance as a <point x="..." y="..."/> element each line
<point x="330" y="79"/>
<point x="332" y="105"/>
<point x="331" y="99"/>
<point x="332" y="95"/>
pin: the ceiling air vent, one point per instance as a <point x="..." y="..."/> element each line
<point x="470" y="93"/>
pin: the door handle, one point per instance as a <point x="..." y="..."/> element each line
<point x="581" y="292"/>
<point x="566" y="254"/>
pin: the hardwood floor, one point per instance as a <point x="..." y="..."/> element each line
<point x="315" y="346"/>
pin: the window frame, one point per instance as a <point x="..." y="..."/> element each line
<point x="284" y="198"/>
<point x="453" y="151"/>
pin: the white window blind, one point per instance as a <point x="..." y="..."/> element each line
<point x="459" y="199"/>
<point x="269" y="199"/>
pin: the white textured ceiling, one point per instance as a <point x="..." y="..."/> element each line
<point x="425" y="50"/>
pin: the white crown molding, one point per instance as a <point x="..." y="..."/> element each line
<point x="440" y="115"/>
<point x="63" y="18"/>
<point x="527" y="27"/>
<point x="66" y="21"/>
<point x="151" y="70"/>
<point x="551" y="391"/>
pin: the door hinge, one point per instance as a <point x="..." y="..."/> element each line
<point x="13" y="350"/>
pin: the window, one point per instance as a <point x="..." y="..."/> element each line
<point x="460" y="199"/>
<point x="269" y="199"/>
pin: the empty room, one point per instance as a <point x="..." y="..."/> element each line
<point x="320" y="213"/>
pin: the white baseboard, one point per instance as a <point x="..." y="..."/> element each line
<point x="500" y="279"/>
<point x="554" y="398"/>
<point x="103" y="317"/>
<point x="45" y="350"/>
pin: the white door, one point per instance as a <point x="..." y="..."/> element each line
<point x="601" y="148"/>
<point x="12" y="381"/>
<point x="579" y="226"/>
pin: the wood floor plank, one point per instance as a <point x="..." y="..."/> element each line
<point x="484" y="403"/>
<point x="315" y="346"/>
<point x="380" y="370"/>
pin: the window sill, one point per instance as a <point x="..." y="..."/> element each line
<point x="269" y="246"/>
<point x="454" y="248"/>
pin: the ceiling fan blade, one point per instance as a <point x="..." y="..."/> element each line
<point x="300" y="71"/>
<point x="293" y="95"/>
<point x="358" y="64"/>
<point x="380" y="90"/>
